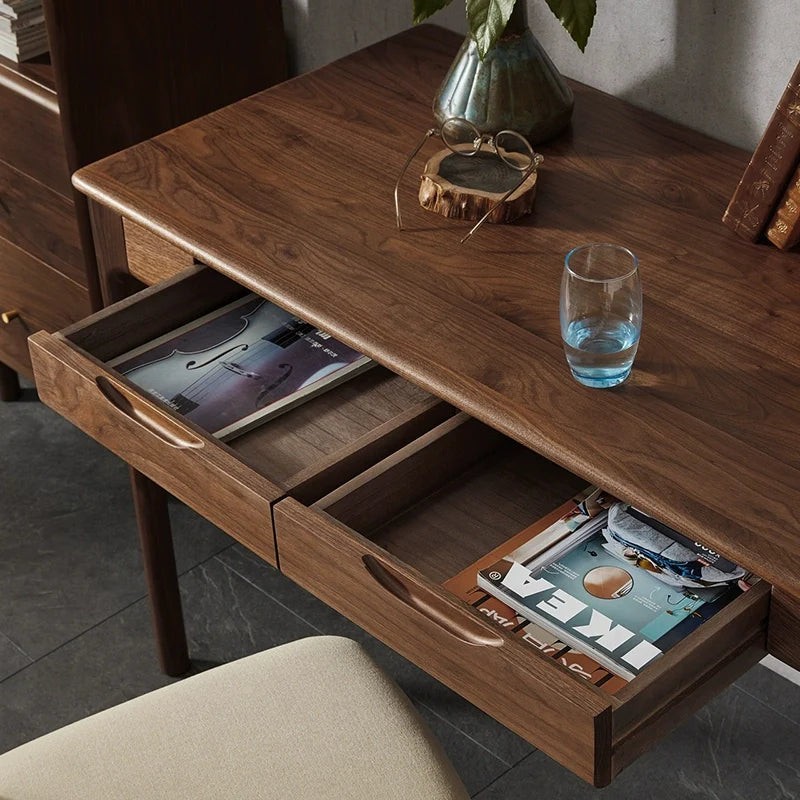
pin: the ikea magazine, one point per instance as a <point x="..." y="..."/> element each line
<point x="622" y="588"/>
<point x="545" y="531"/>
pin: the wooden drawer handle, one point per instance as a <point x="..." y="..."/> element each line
<point x="151" y="419"/>
<point x="465" y="629"/>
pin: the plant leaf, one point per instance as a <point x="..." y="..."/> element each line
<point x="576" y="16"/>
<point x="487" y="20"/>
<point x="425" y="8"/>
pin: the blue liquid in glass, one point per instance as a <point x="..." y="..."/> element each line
<point x="600" y="350"/>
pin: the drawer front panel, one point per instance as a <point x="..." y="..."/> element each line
<point x="41" y="222"/>
<point x="419" y="619"/>
<point x="150" y="258"/>
<point x="42" y="299"/>
<point x="185" y="461"/>
<point x="30" y="133"/>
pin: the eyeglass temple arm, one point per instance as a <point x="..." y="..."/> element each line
<point x="430" y="132"/>
<point x="538" y="159"/>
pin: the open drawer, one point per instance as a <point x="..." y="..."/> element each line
<point x="306" y="451"/>
<point x="379" y="547"/>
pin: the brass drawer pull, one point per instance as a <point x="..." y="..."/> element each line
<point x="151" y="419"/>
<point x="466" y="629"/>
<point x="7" y="316"/>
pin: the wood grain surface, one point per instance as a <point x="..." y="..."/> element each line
<point x="158" y="559"/>
<point x="130" y="69"/>
<point x="706" y="433"/>
<point x="30" y="130"/>
<point x="28" y="286"/>
<point x="41" y="222"/>
<point x="150" y="258"/>
<point x="784" y="628"/>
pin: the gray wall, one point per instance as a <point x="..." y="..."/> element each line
<point x="716" y="65"/>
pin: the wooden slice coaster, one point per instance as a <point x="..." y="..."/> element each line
<point x="461" y="187"/>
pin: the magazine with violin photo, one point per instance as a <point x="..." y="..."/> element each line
<point x="240" y="366"/>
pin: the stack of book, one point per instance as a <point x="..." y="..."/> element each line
<point x="767" y="199"/>
<point x="601" y="587"/>
<point x="22" y="30"/>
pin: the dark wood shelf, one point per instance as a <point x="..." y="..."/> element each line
<point x="38" y="70"/>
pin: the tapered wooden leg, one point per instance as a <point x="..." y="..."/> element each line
<point x="155" y="535"/>
<point x="9" y="383"/>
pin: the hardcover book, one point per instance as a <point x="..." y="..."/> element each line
<point x="770" y="167"/>
<point x="240" y="365"/>
<point x="547" y="531"/>
<point x="784" y="227"/>
<point x="623" y="588"/>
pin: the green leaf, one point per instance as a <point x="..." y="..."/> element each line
<point x="576" y="16"/>
<point x="425" y="8"/>
<point x="487" y="20"/>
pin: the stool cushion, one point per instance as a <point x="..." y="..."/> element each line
<point x="316" y="718"/>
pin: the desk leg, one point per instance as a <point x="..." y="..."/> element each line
<point x="155" y="535"/>
<point x="9" y="383"/>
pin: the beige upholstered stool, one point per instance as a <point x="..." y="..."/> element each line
<point x="316" y="718"/>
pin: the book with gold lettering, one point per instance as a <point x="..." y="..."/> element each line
<point x="773" y="161"/>
<point x="622" y="588"/>
<point x="784" y="227"/>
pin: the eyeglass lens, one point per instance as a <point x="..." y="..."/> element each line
<point x="514" y="150"/>
<point x="461" y="137"/>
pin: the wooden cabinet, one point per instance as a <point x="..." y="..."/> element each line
<point x="117" y="73"/>
<point x="43" y="277"/>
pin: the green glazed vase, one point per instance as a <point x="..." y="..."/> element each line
<point x="516" y="87"/>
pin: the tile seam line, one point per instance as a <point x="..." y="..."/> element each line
<point x="139" y="599"/>
<point x="16" y="646"/>
<point x="766" y="705"/>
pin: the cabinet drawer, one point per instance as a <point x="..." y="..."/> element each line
<point x="378" y="548"/>
<point x="30" y="131"/>
<point x="41" y="222"/>
<point x="43" y="299"/>
<point x="306" y="451"/>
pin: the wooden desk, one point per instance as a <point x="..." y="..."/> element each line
<point x="289" y="193"/>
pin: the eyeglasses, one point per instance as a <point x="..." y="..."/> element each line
<point x="464" y="139"/>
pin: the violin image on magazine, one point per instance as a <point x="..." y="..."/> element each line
<point x="240" y="365"/>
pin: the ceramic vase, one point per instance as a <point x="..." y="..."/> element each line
<point x="516" y="87"/>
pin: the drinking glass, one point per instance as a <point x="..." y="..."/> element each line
<point x="601" y="313"/>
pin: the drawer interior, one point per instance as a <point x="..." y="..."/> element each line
<point x="462" y="489"/>
<point x="310" y="448"/>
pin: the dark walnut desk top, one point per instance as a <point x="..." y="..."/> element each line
<point x="290" y="193"/>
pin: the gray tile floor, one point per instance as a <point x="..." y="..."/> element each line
<point x="75" y="635"/>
